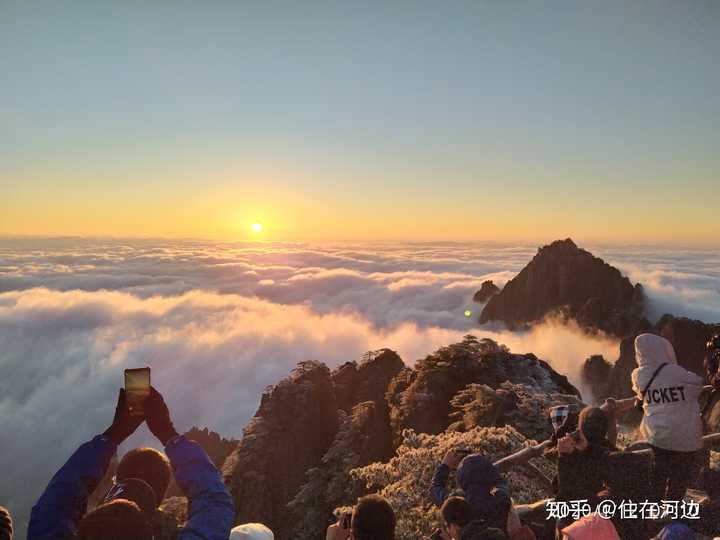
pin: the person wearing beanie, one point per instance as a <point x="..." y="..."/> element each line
<point x="671" y="422"/>
<point x="251" y="531"/>
<point x="125" y="513"/>
<point x="6" y="524"/>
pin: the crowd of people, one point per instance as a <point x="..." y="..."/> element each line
<point x="589" y="469"/>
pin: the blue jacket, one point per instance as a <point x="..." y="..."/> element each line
<point x="477" y="477"/>
<point x="64" y="502"/>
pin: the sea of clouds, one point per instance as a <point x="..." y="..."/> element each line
<point x="219" y="322"/>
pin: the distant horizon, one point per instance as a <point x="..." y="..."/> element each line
<point x="581" y="242"/>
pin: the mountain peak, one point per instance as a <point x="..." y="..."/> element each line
<point x="566" y="280"/>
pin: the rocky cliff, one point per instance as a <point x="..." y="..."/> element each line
<point x="487" y="290"/>
<point x="293" y="465"/>
<point x="291" y="431"/>
<point x="565" y="280"/>
<point x="687" y="336"/>
<point x="421" y="399"/>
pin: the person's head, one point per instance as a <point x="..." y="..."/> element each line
<point x="149" y="465"/>
<point x="251" y="531"/>
<point x="456" y="513"/>
<point x="593" y="427"/>
<point x="6" y="524"/>
<point x="119" y="519"/>
<point x="478" y="478"/>
<point x="373" y="519"/>
<point x="652" y="350"/>
<point x="136" y="491"/>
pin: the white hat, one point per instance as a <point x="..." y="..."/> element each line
<point x="251" y="531"/>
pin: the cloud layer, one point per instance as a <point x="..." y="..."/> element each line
<point x="219" y="322"/>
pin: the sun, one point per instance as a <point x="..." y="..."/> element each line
<point x="257" y="227"/>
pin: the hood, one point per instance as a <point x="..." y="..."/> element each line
<point x="477" y="476"/>
<point x="652" y="350"/>
<point x="477" y="473"/>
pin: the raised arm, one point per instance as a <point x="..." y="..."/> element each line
<point x="522" y="456"/>
<point x="438" y="488"/>
<point x="210" y="507"/>
<point x="63" y="503"/>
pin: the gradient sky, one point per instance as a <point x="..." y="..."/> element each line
<point x="361" y="120"/>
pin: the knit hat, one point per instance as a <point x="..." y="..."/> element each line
<point x="251" y="531"/>
<point x="6" y="526"/>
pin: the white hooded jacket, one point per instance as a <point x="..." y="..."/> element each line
<point x="672" y="413"/>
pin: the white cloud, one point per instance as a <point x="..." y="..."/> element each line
<point x="218" y="322"/>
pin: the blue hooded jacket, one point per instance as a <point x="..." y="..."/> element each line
<point x="63" y="504"/>
<point x="477" y="477"/>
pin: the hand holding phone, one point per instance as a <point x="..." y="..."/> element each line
<point x="137" y="389"/>
<point x="123" y="424"/>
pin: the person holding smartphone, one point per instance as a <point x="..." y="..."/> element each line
<point x="60" y="511"/>
<point x="583" y="461"/>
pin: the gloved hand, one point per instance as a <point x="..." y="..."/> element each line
<point x="157" y="416"/>
<point x="123" y="424"/>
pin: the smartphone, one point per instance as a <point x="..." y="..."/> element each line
<point x="346" y="519"/>
<point x="137" y="388"/>
<point x="462" y="451"/>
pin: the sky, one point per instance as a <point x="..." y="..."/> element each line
<point x="477" y="120"/>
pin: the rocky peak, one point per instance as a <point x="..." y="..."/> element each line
<point x="688" y="337"/>
<point x="595" y="373"/>
<point x="487" y="290"/>
<point x="523" y="407"/>
<point x="566" y="280"/>
<point x="291" y="431"/>
<point x="366" y="381"/>
<point x="330" y="485"/>
<point x="421" y="400"/>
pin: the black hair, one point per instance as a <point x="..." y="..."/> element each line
<point x="117" y="520"/>
<point x="373" y="519"/>
<point x="456" y="511"/>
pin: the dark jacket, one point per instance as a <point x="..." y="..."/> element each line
<point x="479" y="529"/>
<point x="582" y="474"/>
<point x="64" y="502"/>
<point x="477" y="477"/>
